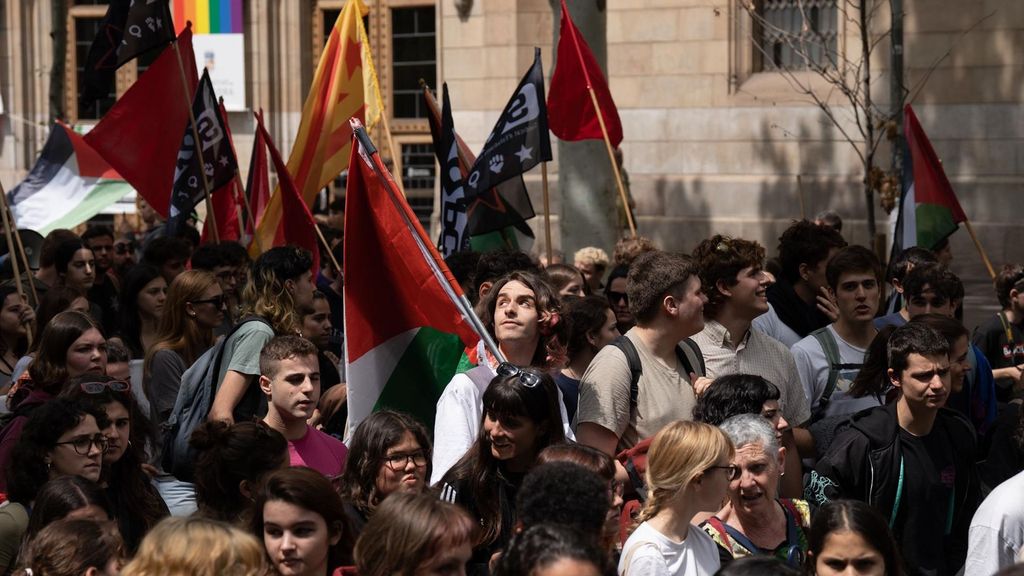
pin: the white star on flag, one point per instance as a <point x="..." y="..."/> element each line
<point x="524" y="154"/>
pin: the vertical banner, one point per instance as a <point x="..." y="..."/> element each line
<point x="219" y="44"/>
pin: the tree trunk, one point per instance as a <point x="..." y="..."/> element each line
<point x="59" y="38"/>
<point x="585" y="179"/>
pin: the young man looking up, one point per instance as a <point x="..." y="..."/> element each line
<point x="666" y="299"/>
<point x="290" y="377"/>
<point x="854" y="278"/>
<point x="912" y="460"/>
<point x="927" y="289"/>
<point x="799" y="299"/>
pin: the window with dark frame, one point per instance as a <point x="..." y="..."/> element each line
<point x="413" y="56"/>
<point x="795" y="34"/>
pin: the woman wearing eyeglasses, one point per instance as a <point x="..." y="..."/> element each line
<point x="521" y="417"/>
<point x="61" y="438"/>
<point x="754" y="520"/>
<point x="194" y="307"/>
<point x="688" y="471"/>
<point x="142" y="304"/>
<point x="137" y="504"/>
<point x="388" y="453"/>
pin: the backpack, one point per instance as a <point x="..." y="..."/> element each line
<point x="634" y="459"/>
<point x="195" y="397"/>
<point x="835" y="364"/>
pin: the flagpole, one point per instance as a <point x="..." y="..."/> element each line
<point x="20" y="245"/>
<point x="981" y="250"/>
<point x="327" y="247"/>
<point x="428" y="250"/>
<point x="210" y="216"/>
<point x="12" y="252"/>
<point x="547" y="211"/>
<point x="248" y="211"/>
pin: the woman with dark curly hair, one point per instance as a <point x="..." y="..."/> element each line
<point x="549" y="547"/>
<point x="520" y="419"/>
<point x="232" y="463"/>
<point x="61" y="438"/>
<point x="388" y="453"/>
<point x="523" y="315"/>
<point x="137" y="504"/>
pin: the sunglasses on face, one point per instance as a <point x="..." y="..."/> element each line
<point x="615" y="297"/>
<point x="217" y="301"/>
<point x="526" y="378"/>
<point x="98" y="387"/>
<point x="83" y="444"/>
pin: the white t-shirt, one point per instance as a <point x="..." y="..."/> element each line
<point x="769" y="323"/>
<point x="997" y="531"/>
<point x="813" y="367"/>
<point x="651" y="553"/>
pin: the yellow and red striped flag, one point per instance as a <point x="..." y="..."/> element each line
<point x="323" y="144"/>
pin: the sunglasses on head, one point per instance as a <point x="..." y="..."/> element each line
<point x="526" y="378"/>
<point x="98" y="387"/>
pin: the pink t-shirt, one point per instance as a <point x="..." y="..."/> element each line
<point x="321" y="452"/>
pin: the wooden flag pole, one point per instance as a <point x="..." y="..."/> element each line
<point x="12" y="252"/>
<point x="547" y="211"/>
<point x="981" y="250"/>
<point x="20" y="247"/>
<point x="210" y="216"/>
<point x="327" y="247"/>
<point x="611" y="158"/>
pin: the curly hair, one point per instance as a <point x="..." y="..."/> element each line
<point x="265" y="294"/>
<point x="1010" y="277"/>
<point x="542" y="545"/>
<point x="805" y="242"/>
<point x="628" y="248"/>
<point x="584" y="317"/>
<point x="732" y="395"/>
<point x="366" y="452"/>
<point x="550" y="351"/>
<point x="720" y="259"/>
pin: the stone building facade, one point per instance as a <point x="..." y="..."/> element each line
<point x="715" y="139"/>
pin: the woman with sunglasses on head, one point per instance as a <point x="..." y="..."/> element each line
<point x="194" y="307"/>
<point x="388" y="453"/>
<point x="137" y="504"/>
<point x="754" y="520"/>
<point x="521" y="417"/>
<point x="143" y="296"/>
<point x="301" y="521"/>
<point x="60" y="438"/>
<point x="70" y="345"/>
<point x="688" y="470"/>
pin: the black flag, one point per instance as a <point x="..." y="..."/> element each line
<point x="128" y="29"/>
<point x="519" y="140"/>
<point x="219" y="161"/>
<point x="454" y="237"/>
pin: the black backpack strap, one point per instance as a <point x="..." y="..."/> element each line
<point x="635" y="368"/>
<point x="685" y="360"/>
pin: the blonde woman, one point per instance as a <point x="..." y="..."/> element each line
<point x="688" y="470"/>
<point x="196" y="546"/>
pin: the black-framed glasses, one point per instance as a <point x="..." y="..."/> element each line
<point x="98" y="387"/>
<point x="83" y="444"/>
<point x="526" y="378"/>
<point x="398" y="462"/>
<point x="732" y="471"/>
<point x="217" y="301"/>
<point x="615" y="297"/>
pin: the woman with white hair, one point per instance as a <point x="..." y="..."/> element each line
<point x="755" y="521"/>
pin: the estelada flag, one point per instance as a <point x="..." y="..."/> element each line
<point x="141" y="134"/>
<point x="128" y="29"/>
<point x="571" y="110"/>
<point x="404" y="328"/>
<point x="299" y="226"/>
<point x="68" y="184"/>
<point x="212" y="160"/>
<point x="322" y="146"/>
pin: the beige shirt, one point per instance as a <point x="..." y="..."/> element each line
<point x="665" y="394"/>
<point x="757" y="354"/>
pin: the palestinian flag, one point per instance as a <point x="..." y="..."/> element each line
<point x="406" y="319"/>
<point x="69" y="184"/>
<point x="931" y="211"/>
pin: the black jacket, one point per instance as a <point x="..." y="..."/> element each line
<point x="864" y="463"/>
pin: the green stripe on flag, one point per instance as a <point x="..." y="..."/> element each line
<point x="103" y="194"/>
<point x="934" y="222"/>
<point x="421" y="374"/>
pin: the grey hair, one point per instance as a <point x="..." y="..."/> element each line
<point x="746" y="429"/>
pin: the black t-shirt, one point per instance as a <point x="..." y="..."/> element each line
<point x="924" y="514"/>
<point x="990" y="338"/>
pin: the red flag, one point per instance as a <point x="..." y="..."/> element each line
<point x="257" y="188"/>
<point x="571" y="114"/>
<point x="296" y="219"/>
<point x="140" y="136"/>
<point x="225" y="198"/>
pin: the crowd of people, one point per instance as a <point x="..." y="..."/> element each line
<point x="654" y="413"/>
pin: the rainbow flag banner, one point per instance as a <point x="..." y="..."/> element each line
<point x="209" y="16"/>
<point x="219" y="42"/>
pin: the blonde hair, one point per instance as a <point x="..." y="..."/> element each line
<point x="593" y="255"/>
<point x="679" y="453"/>
<point x="200" y="547"/>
